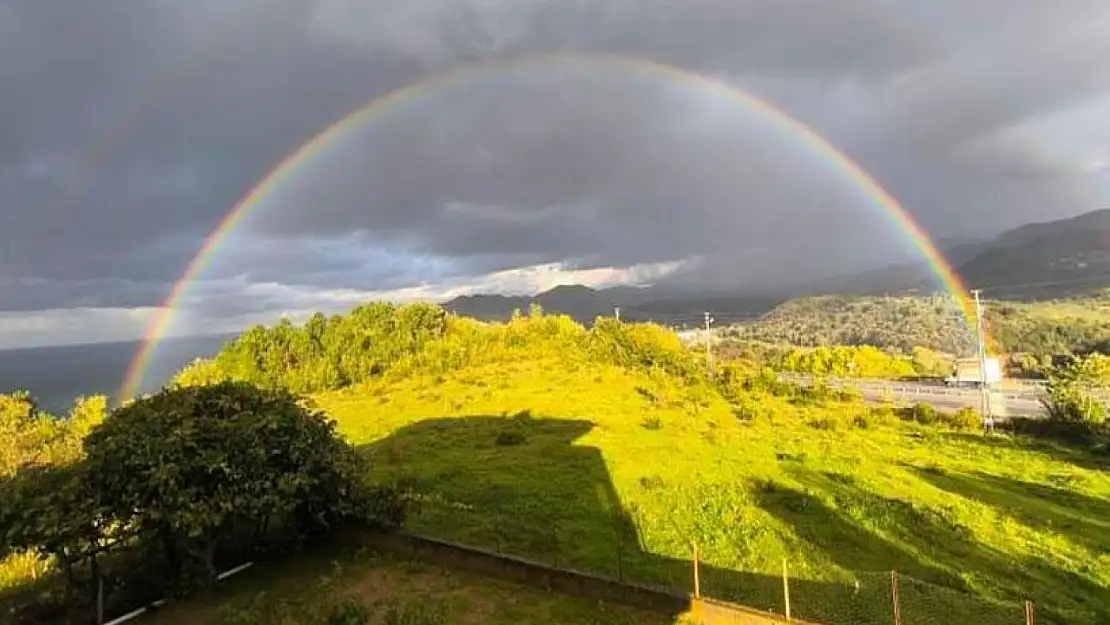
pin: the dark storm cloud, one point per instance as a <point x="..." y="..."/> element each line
<point x="130" y="128"/>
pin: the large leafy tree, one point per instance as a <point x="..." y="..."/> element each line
<point x="196" y="466"/>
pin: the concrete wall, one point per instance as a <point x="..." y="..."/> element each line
<point x="576" y="583"/>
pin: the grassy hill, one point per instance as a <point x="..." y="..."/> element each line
<point x="578" y="463"/>
<point x="609" y="450"/>
<point x="903" y="322"/>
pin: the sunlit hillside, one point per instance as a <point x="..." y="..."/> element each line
<point x="610" y="450"/>
<point x="904" y="322"/>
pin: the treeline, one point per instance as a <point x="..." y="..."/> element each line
<point x="903" y="323"/>
<point x="115" y="510"/>
<point x="860" y="361"/>
<point x="1020" y="329"/>
<point x="383" y="339"/>
<point x="889" y="323"/>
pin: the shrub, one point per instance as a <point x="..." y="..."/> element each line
<point x="749" y="410"/>
<point x="848" y="395"/>
<point x="652" y="423"/>
<point x="347" y="611"/>
<point x="963" y="419"/>
<point x="1067" y="398"/>
<point x="825" y="422"/>
<point x="200" y="467"/>
<point x="882" y="415"/>
<point x="509" y="438"/>
<point x="923" y="413"/>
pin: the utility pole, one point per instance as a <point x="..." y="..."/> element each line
<point x="984" y="394"/>
<point x="709" y="343"/>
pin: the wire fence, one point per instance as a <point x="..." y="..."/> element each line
<point x="856" y="598"/>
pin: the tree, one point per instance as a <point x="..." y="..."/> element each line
<point x="50" y="510"/>
<point x="29" y="437"/>
<point x="1067" y="398"/>
<point x="197" y="466"/>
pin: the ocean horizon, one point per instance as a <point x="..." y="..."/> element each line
<point x="57" y="375"/>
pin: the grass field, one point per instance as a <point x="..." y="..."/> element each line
<point x="393" y="591"/>
<point x="596" y="467"/>
<point x="607" y="450"/>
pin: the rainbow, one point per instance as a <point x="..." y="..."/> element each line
<point x="289" y="165"/>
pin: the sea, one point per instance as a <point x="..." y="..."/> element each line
<point x="57" y="375"/>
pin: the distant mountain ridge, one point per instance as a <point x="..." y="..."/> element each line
<point x="1059" y="258"/>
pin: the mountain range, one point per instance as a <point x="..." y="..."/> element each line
<point x="1060" y="258"/>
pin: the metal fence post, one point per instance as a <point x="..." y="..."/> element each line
<point x="894" y="597"/>
<point x="785" y="588"/>
<point x="697" y="581"/>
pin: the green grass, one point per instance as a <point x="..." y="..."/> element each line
<point x="621" y="472"/>
<point x="393" y="591"/>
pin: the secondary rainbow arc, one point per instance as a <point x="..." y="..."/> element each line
<point x="851" y="171"/>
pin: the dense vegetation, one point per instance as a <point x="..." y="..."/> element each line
<point x="863" y="361"/>
<point x="420" y="339"/>
<point x="500" y="430"/>
<point x="610" y="449"/>
<point x="163" y="491"/>
<point x="903" y="323"/>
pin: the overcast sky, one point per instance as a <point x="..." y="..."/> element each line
<point x="129" y="128"/>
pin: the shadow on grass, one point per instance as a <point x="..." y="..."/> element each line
<point x="1023" y="433"/>
<point x="922" y="543"/>
<point x="1080" y="518"/>
<point x="528" y="487"/>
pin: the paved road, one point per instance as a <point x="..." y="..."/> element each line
<point x="1001" y="405"/>
<point x="1018" y="399"/>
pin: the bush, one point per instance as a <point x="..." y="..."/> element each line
<point x="749" y="410"/>
<point x="508" y="438"/>
<point x="201" y="466"/>
<point x="923" y="413"/>
<point x="882" y="415"/>
<point x="847" y="361"/>
<point x="1067" y="398"/>
<point x="963" y="419"/>
<point x="652" y="423"/>
<point x="348" y="612"/>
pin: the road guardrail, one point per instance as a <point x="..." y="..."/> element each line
<point x="918" y="389"/>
